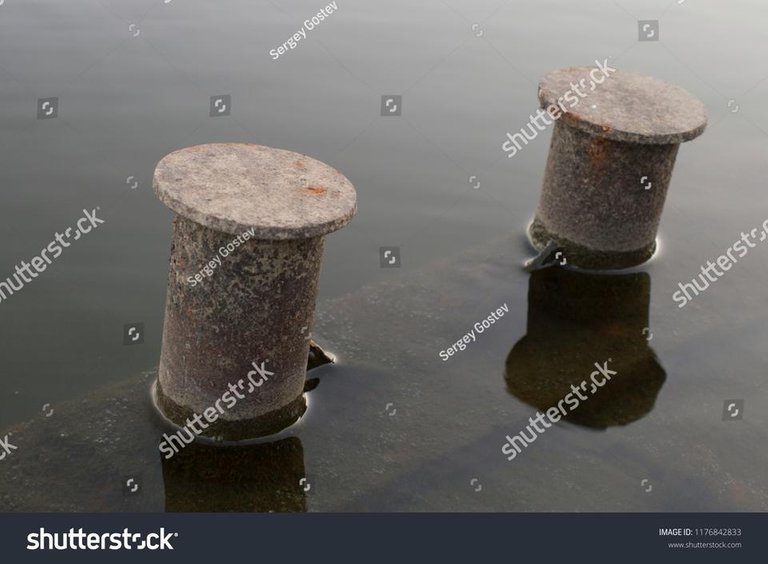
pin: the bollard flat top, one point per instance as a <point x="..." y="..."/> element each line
<point x="236" y="187"/>
<point x="625" y="107"/>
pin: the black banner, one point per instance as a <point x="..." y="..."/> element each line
<point x="364" y="538"/>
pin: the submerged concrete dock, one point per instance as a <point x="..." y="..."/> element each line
<point x="392" y="427"/>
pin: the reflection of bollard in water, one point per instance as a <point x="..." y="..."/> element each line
<point x="609" y="166"/>
<point x="249" y="478"/>
<point x="245" y="261"/>
<point x="577" y="319"/>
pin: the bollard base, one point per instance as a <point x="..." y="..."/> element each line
<point x="587" y="258"/>
<point x="223" y="430"/>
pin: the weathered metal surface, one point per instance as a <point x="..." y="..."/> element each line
<point x="610" y="164"/>
<point x="245" y="263"/>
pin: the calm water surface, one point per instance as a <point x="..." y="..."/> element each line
<point x="127" y="99"/>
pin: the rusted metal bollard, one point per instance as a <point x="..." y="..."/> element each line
<point x="609" y="166"/>
<point x="245" y="261"/>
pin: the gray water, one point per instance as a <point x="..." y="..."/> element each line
<point x="127" y="99"/>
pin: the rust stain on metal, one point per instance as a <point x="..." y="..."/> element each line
<point x="571" y="118"/>
<point x="598" y="152"/>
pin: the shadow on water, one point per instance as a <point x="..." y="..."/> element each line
<point x="262" y="477"/>
<point x="577" y="319"/>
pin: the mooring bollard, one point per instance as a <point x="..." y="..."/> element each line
<point x="609" y="165"/>
<point x="245" y="262"/>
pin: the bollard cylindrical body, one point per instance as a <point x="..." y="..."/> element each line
<point x="609" y="166"/>
<point x="245" y="263"/>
